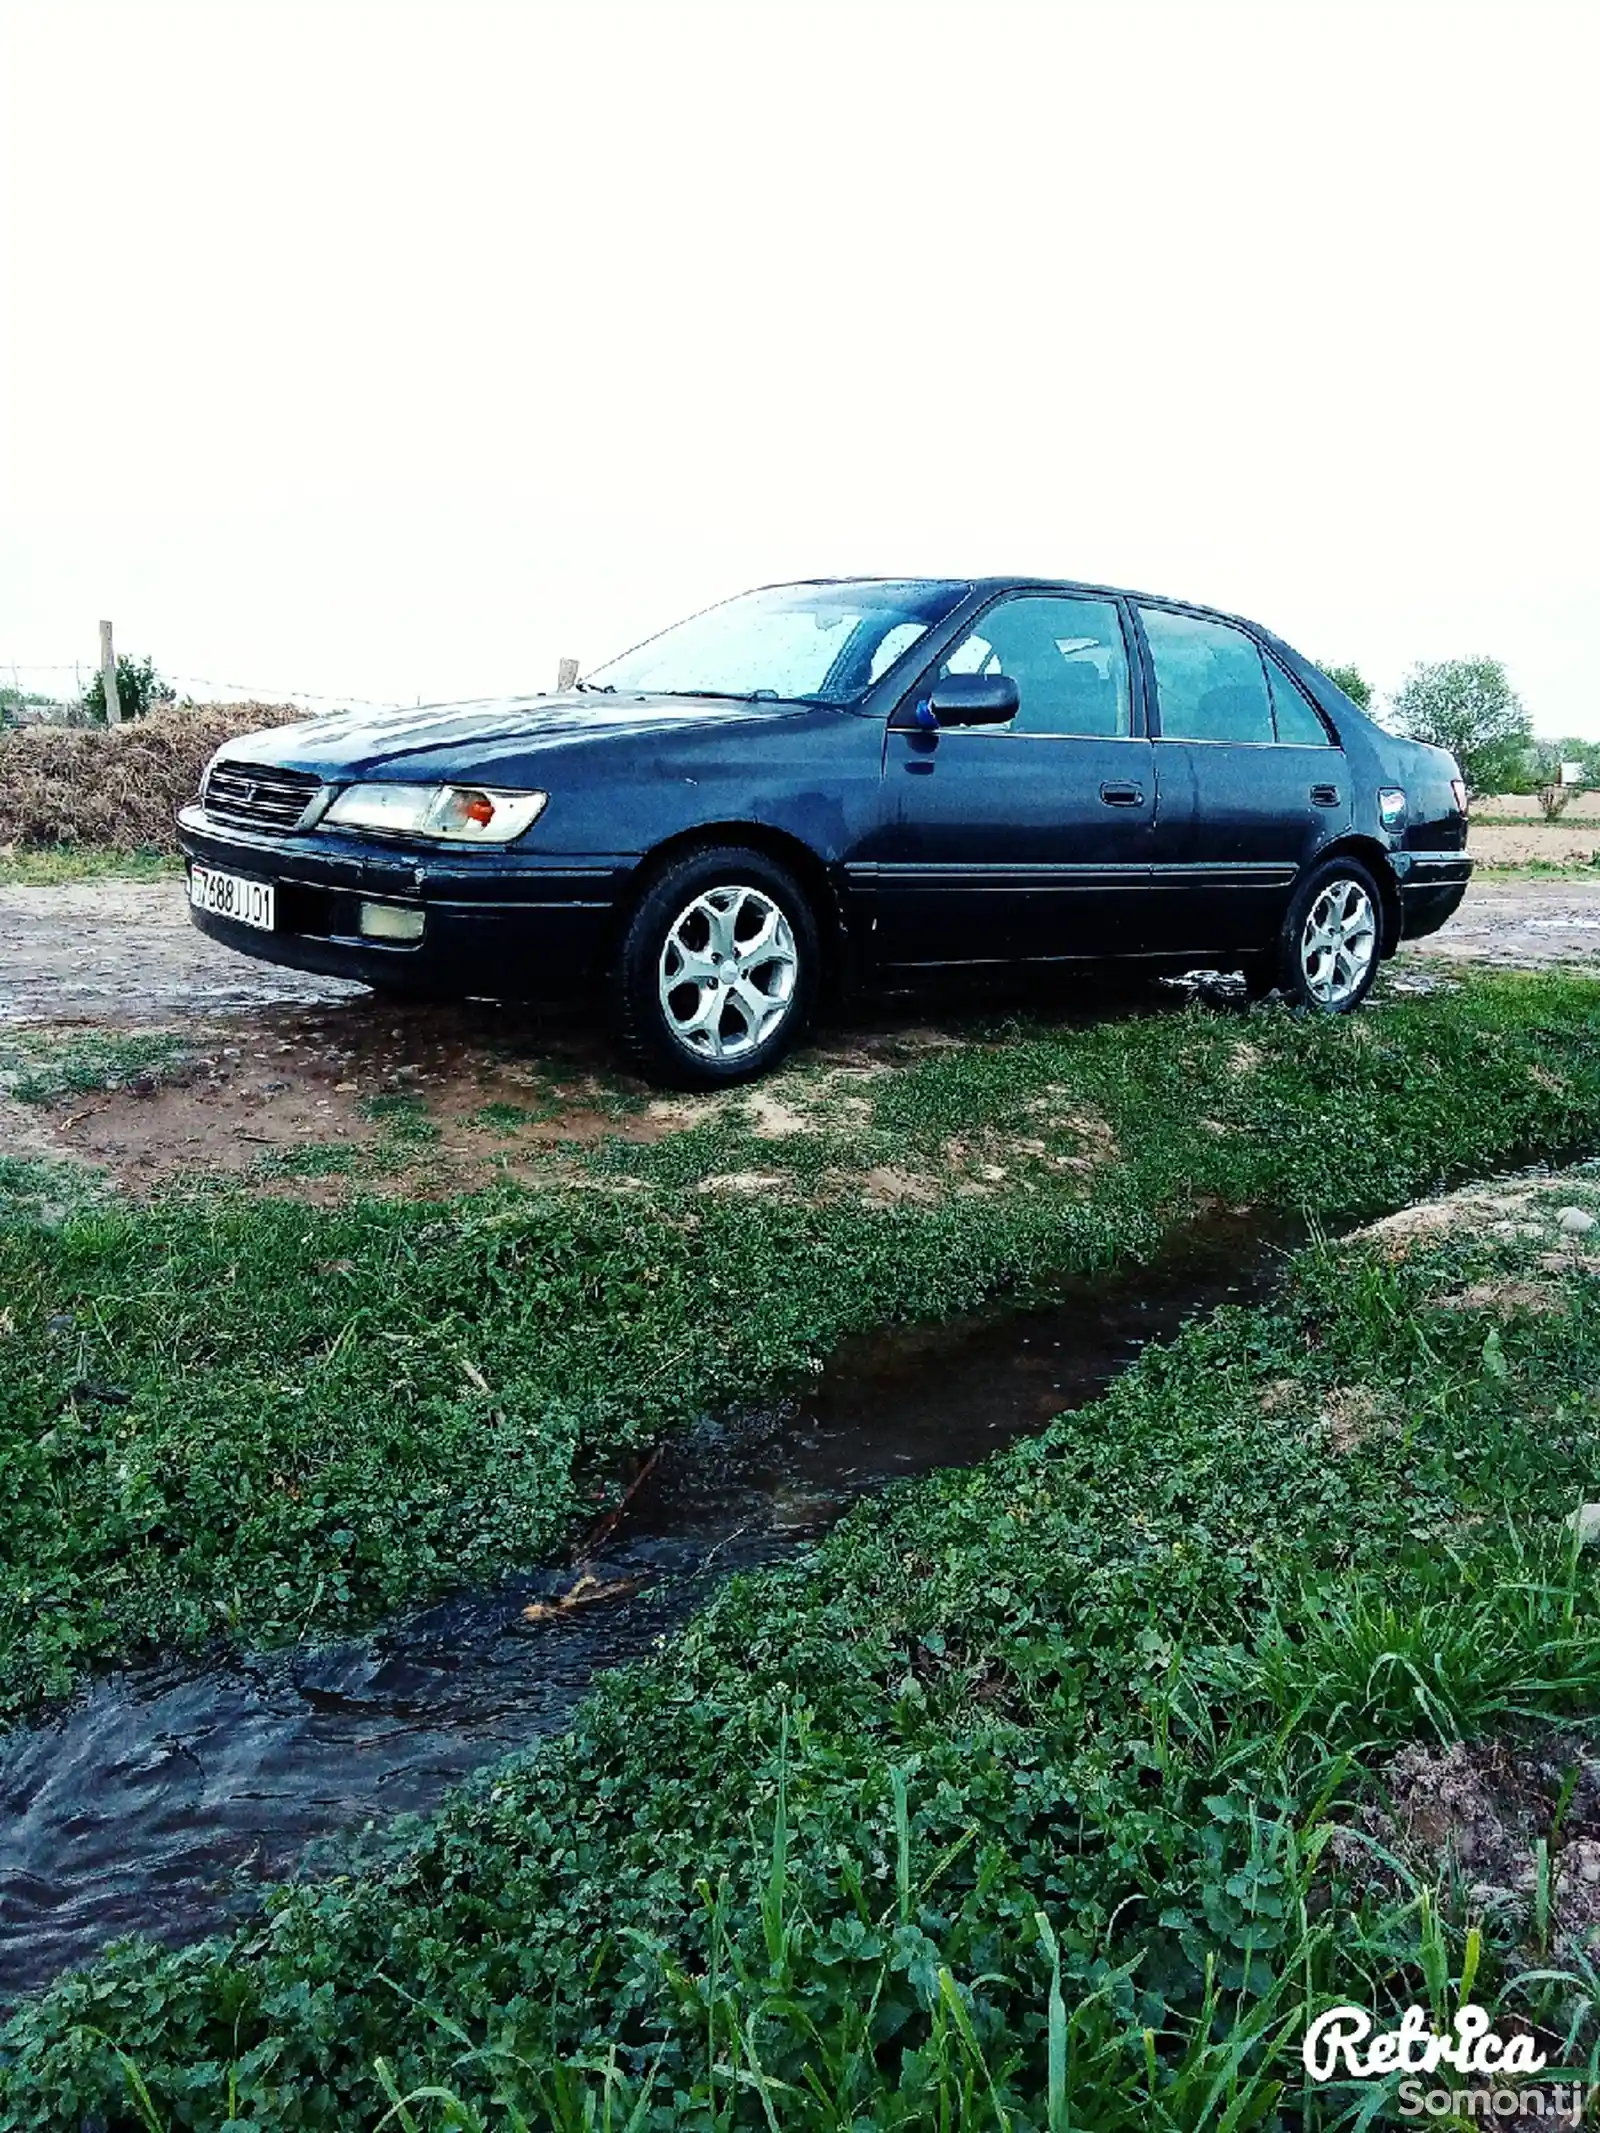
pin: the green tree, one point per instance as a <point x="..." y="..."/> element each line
<point x="1469" y="707"/>
<point x="1354" y="684"/>
<point x="139" y="689"/>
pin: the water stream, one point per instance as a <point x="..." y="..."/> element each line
<point x="164" y="1799"/>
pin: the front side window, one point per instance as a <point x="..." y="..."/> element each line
<point x="1297" y="723"/>
<point x="818" y="643"/>
<point x="1066" y="657"/>
<point x="1210" y="683"/>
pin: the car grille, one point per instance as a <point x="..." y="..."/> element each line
<point x="258" y="796"/>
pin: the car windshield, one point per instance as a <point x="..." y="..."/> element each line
<point x="820" y="643"/>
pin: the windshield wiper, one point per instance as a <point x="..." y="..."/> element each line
<point x="741" y="696"/>
<point x="596" y="688"/>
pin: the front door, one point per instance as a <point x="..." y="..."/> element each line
<point x="1029" y="841"/>
<point x="1249" y="784"/>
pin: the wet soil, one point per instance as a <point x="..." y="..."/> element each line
<point x="500" y="1087"/>
<point x="275" y="1064"/>
<point x="165" y="1799"/>
<point x="124" y="952"/>
<point x="1519" y="925"/>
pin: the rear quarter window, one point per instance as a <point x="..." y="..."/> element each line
<point x="1210" y="681"/>
<point x="1298" y="723"/>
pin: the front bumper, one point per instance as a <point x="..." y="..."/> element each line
<point x="500" y="924"/>
<point x="1432" y="885"/>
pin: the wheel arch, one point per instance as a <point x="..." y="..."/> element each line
<point x="1375" y="858"/>
<point x="807" y="866"/>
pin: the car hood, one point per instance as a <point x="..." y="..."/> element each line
<point x="468" y="740"/>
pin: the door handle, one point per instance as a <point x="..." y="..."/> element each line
<point x="1122" y="795"/>
<point x="1324" y="795"/>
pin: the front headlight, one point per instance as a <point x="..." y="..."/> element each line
<point x="466" y="814"/>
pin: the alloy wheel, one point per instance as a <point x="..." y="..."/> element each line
<point x="728" y="972"/>
<point x="1338" y="941"/>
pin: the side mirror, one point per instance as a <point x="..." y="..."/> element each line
<point x="974" y="699"/>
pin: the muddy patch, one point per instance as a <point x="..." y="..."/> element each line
<point x="324" y="1101"/>
<point x="451" y="1098"/>
<point x="23" y="1133"/>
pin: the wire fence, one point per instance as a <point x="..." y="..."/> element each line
<point x="52" y="692"/>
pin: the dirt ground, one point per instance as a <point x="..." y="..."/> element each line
<point x="1520" y="924"/>
<point x="1571" y="842"/>
<point x="294" y="1078"/>
<point x="1508" y="830"/>
<point x="1584" y="806"/>
<point x="124" y="952"/>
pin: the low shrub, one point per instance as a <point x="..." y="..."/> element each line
<point x="116" y="788"/>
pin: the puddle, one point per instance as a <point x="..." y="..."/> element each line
<point x="165" y="1800"/>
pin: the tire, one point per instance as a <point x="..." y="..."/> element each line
<point x="1332" y="939"/>
<point x="679" y="1018"/>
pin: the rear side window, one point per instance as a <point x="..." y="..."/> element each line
<point x="1297" y="723"/>
<point x="1210" y="683"/>
<point x="1066" y="657"/>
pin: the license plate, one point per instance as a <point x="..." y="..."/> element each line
<point x="247" y="903"/>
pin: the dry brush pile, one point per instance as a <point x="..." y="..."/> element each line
<point x="117" y="788"/>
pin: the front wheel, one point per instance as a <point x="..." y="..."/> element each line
<point x="717" y="969"/>
<point x="1328" y="951"/>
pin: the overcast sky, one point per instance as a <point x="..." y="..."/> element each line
<point x="392" y="351"/>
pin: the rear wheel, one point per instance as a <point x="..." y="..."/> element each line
<point x="1332" y="937"/>
<point x="717" y="968"/>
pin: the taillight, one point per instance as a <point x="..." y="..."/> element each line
<point x="1459" y="787"/>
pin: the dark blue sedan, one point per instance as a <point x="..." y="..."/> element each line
<point x="844" y="783"/>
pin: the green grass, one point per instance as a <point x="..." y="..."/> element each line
<point x="51" y="865"/>
<point x="502" y="1118"/>
<point x="1540" y="869"/>
<point x="304" y="1447"/>
<point x="309" y="1159"/>
<point x="1536" y="820"/>
<point x="44" y="1067"/>
<point x="46" y="1192"/>
<point x="1051" y="1794"/>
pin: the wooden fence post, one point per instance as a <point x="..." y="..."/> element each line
<point x="108" y="674"/>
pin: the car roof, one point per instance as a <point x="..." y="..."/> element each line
<point x="988" y="585"/>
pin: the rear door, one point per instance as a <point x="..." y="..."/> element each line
<point x="1249" y="783"/>
<point x="1030" y="840"/>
